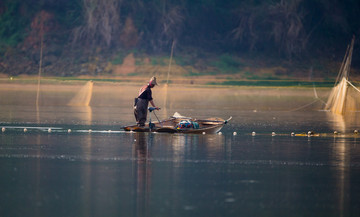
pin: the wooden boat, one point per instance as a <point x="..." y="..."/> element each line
<point x="182" y="124"/>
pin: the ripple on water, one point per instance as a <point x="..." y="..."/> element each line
<point x="232" y="162"/>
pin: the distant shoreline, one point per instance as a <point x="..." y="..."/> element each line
<point x="188" y="81"/>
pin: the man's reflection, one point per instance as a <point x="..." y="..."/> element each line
<point x="142" y="172"/>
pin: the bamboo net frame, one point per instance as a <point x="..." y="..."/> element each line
<point x="341" y="99"/>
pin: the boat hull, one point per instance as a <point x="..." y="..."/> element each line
<point x="208" y="126"/>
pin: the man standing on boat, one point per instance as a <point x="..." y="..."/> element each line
<point x="142" y="102"/>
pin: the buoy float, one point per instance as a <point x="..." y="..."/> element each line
<point x="25" y="130"/>
<point x="310" y="133"/>
<point x="90" y="131"/>
<point x="3" y="129"/>
<point x="49" y="130"/>
<point x="69" y="130"/>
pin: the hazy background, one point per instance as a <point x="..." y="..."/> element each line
<point x="301" y="39"/>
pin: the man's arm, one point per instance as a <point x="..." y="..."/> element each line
<point x="153" y="104"/>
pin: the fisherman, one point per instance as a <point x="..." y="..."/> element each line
<point x="142" y="102"/>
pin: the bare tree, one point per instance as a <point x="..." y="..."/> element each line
<point x="169" y="27"/>
<point x="245" y="32"/>
<point x="280" y="23"/>
<point x="287" y="29"/>
<point x="102" y="22"/>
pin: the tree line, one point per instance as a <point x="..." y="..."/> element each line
<point x="286" y="28"/>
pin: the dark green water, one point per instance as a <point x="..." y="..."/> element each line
<point x="141" y="174"/>
<point x="113" y="173"/>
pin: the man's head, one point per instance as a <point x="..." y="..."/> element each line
<point x="152" y="82"/>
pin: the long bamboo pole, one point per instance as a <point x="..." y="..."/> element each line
<point x="171" y="56"/>
<point x="167" y="79"/>
<point x="40" y="64"/>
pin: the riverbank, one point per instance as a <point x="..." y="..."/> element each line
<point x="178" y="80"/>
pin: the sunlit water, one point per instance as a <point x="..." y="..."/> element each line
<point x="108" y="172"/>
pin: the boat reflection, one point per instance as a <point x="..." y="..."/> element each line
<point x="212" y="147"/>
<point x="180" y="149"/>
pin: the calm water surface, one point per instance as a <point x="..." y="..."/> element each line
<point x="113" y="173"/>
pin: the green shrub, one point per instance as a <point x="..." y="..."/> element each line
<point x="162" y="61"/>
<point x="227" y="63"/>
<point x="118" y="59"/>
<point x="185" y="60"/>
<point x="11" y="28"/>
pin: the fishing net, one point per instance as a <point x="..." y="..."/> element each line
<point x="337" y="98"/>
<point x="344" y="96"/>
<point x="83" y="97"/>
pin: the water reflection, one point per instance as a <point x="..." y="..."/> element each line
<point x="341" y="158"/>
<point x="142" y="172"/>
<point x="86" y="176"/>
<point x="113" y="102"/>
<point x="180" y="151"/>
<point x="83" y="97"/>
<point x="153" y="174"/>
<point x="337" y="121"/>
<point x="61" y="115"/>
<point x="38" y="170"/>
<point x="346" y="123"/>
<point x="212" y="147"/>
<point x="82" y="113"/>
